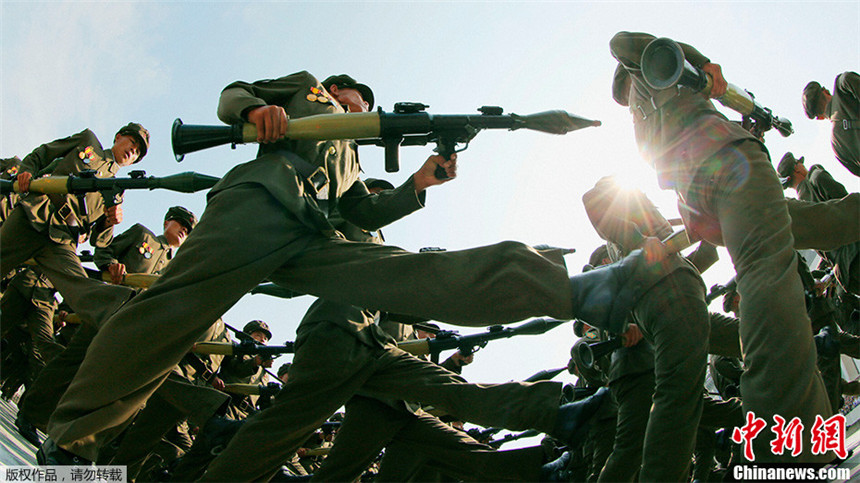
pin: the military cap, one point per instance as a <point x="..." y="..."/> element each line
<point x="378" y="183"/>
<point x="597" y="256"/>
<point x="345" y="81"/>
<point x="620" y="88"/>
<point x="811" y="96"/>
<point x="257" y="326"/>
<point x="182" y="215"/>
<point x="785" y="168"/>
<point x="285" y="368"/>
<point x="138" y="132"/>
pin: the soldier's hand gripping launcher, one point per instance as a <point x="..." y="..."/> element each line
<point x="664" y="66"/>
<point x="408" y="125"/>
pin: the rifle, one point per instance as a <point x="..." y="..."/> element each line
<point x="112" y="188"/>
<point x="468" y="344"/>
<point x="664" y="66"/>
<point x="408" y="125"/>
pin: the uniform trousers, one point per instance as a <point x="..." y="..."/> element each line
<point x="738" y="187"/>
<point x="32" y="303"/>
<point x="174" y="401"/>
<point x="92" y="300"/>
<point x="414" y="442"/>
<point x="331" y="365"/>
<point x="825" y="225"/>
<point x="674" y="318"/>
<point x="245" y="236"/>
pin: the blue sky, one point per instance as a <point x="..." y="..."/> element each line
<point x="66" y="66"/>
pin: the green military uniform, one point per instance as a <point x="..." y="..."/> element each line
<point x="721" y="171"/>
<point x="29" y="301"/>
<point x="223" y="259"/>
<point x="673" y="317"/>
<point x="141" y="252"/>
<point x="244" y="370"/>
<point x="843" y="111"/>
<point x="48" y="228"/>
<point x="8" y="168"/>
<point x="185" y="394"/>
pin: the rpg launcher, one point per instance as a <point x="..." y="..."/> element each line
<point x="496" y="443"/>
<point x="408" y="125"/>
<point x="243" y="348"/>
<point x="268" y="390"/>
<point x="468" y="344"/>
<point x="545" y="375"/>
<point x="664" y="66"/>
<point x="112" y="188"/>
<point x="275" y="290"/>
<point x="584" y="354"/>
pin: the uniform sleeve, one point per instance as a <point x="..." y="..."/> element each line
<point x="42" y="156"/>
<point x="240" y="97"/>
<point x="627" y="48"/>
<point x="117" y="249"/>
<point x="373" y="211"/>
<point x="849" y="83"/>
<point x="826" y="185"/>
<point x="452" y="365"/>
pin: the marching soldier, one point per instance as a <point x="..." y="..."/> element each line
<point x="842" y="108"/>
<point x="48" y="228"/>
<point x="724" y="175"/>
<point x="137" y="250"/>
<point x="286" y="194"/>
<point x="246" y="369"/>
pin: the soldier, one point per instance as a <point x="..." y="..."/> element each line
<point x="723" y="174"/>
<point x="138" y="250"/>
<point x="673" y="318"/>
<point x="813" y="184"/>
<point x="246" y="370"/>
<point x="286" y="193"/>
<point x="141" y="250"/>
<point x="842" y="108"/>
<point x="8" y="170"/>
<point x="48" y="228"/>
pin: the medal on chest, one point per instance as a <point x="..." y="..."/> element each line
<point x="87" y="154"/>
<point x="318" y="95"/>
<point x="145" y="250"/>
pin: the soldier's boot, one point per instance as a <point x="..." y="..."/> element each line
<point x="603" y="297"/>
<point x="574" y="418"/>
<point x="27" y="430"/>
<point x="556" y="470"/>
<point x="50" y="454"/>
<point x="826" y="342"/>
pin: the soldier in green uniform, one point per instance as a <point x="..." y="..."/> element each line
<point x="268" y="219"/>
<point x="842" y="108"/>
<point x="723" y="173"/>
<point x="137" y="250"/>
<point x="8" y="170"/>
<point x="140" y="250"/>
<point x="48" y="228"/>
<point x="246" y="370"/>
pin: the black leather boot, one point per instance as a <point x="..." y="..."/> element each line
<point x="574" y="418"/>
<point x="603" y="297"/>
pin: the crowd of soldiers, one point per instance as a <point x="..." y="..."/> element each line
<point x="168" y="412"/>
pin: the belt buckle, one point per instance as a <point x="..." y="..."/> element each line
<point x="64" y="211"/>
<point x="319" y="182"/>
